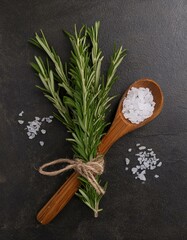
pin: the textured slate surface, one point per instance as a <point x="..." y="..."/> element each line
<point x="154" y="32"/>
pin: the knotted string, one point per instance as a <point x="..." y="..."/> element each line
<point x="86" y="169"/>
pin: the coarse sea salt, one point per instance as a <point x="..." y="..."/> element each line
<point x="41" y="143"/>
<point x="43" y="131"/>
<point x="127" y="160"/>
<point x="138" y="105"/>
<point x="20" y="122"/>
<point x="33" y="127"/>
<point x="156" y="176"/>
<point x="21" y="113"/>
<point x="142" y="148"/>
<point x="147" y="161"/>
<point x="159" y="164"/>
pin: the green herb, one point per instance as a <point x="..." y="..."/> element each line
<point x="83" y="107"/>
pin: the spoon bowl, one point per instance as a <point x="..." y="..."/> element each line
<point x="119" y="128"/>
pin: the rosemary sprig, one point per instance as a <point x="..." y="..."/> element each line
<point x="83" y="109"/>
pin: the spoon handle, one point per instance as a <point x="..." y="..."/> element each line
<point x="70" y="187"/>
<point x="59" y="200"/>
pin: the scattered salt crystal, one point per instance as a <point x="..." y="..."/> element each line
<point x="127" y="160"/>
<point x="142" y="148"/>
<point x="134" y="170"/>
<point x="126" y="169"/>
<point x="138" y="144"/>
<point x="32" y="136"/>
<point x="43" y="131"/>
<point x="130" y="150"/>
<point x="41" y="143"/>
<point x="21" y="113"/>
<point x="159" y="164"/>
<point x="152" y="167"/>
<point x="141" y="176"/>
<point x="20" y="121"/>
<point x="156" y="176"/>
<point x="48" y="120"/>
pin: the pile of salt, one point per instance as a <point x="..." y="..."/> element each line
<point x="138" y="104"/>
<point x="33" y="127"/>
<point x="147" y="160"/>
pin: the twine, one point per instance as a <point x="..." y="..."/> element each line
<point x="86" y="169"/>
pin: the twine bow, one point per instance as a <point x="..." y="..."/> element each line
<point x="86" y="169"/>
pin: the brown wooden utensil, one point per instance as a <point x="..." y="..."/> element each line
<point x="119" y="128"/>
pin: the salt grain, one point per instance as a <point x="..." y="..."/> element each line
<point x="21" y="113"/>
<point x="159" y="164"/>
<point x="130" y="150"/>
<point x="142" y="148"/>
<point x="127" y="160"/>
<point x="20" y="121"/>
<point x="41" y="143"/>
<point x="141" y="176"/>
<point x="32" y="135"/>
<point x="134" y="170"/>
<point x="156" y="176"/>
<point x="48" y="120"/>
<point x="43" y="131"/>
<point x="152" y="167"/>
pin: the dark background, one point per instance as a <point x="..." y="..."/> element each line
<point x="154" y="32"/>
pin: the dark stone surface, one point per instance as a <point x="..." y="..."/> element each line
<point x="154" y="32"/>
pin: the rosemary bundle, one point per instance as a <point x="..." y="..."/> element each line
<point x="83" y="107"/>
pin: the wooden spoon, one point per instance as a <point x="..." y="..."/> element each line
<point x="119" y="128"/>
